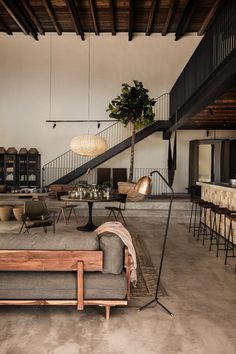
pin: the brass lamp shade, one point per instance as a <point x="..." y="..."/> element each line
<point x="144" y="185"/>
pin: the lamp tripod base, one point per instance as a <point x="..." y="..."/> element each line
<point x="157" y="302"/>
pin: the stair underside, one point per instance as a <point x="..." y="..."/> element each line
<point x="115" y="150"/>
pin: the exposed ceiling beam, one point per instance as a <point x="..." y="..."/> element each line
<point x="210" y="17"/>
<point x="5" y="27"/>
<point x="51" y="14"/>
<point x="113" y="18"/>
<point x="15" y="11"/>
<point x="151" y="17"/>
<point x="75" y="18"/>
<point x="185" y="19"/>
<point x="33" y="17"/>
<point x="131" y="20"/>
<point x="92" y="11"/>
<point x="169" y="17"/>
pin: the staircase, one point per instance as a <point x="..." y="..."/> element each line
<point x="70" y="166"/>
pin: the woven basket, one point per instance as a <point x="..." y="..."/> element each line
<point x="18" y="211"/>
<point x="33" y="151"/>
<point x="23" y="151"/>
<point x="11" y="150"/>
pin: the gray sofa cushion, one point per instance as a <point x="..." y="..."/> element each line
<point x="82" y="241"/>
<point x="113" y="256"/>
<point x="60" y="285"/>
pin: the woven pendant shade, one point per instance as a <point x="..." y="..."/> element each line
<point x="88" y="145"/>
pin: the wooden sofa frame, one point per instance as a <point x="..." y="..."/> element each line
<point x="79" y="261"/>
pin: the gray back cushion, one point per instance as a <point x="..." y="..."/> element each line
<point x="113" y="256"/>
<point x="82" y="241"/>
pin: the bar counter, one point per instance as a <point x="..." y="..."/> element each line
<point x="222" y="194"/>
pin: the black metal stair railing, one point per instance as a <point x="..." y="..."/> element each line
<point x="68" y="166"/>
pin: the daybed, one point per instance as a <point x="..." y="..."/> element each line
<point x="64" y="269"/>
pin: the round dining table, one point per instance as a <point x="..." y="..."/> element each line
<point x="90" y="225"/>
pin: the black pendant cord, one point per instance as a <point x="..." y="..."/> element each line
<point x="156" y="299"/>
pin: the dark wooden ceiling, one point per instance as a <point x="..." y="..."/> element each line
<point x="221" y="114"/>
<point x="35" y="17"/>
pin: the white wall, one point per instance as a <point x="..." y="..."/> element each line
<point x="25" y="90"/>
<point x="25" y="82"/>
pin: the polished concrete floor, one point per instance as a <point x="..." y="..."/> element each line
<point x="201" y="294"/>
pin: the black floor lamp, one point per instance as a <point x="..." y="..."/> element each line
<point x="144" y="186"/>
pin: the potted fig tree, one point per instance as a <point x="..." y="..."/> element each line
<point x="133" y="106"/>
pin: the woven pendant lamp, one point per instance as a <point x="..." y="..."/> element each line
<point x="88" y="145"/>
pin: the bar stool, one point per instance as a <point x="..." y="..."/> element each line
<point x="230" y="243"/>
<point x="193" y="214"/>
<point x="217" y="233"/>
<point x="70" y="207"/>
<point x="204" y="230"/>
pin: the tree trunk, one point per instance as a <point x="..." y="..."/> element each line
<point x="131" y="171"/>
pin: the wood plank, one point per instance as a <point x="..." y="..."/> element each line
<point x="106" y="302"/>
<point x="152" y="13"/>
<point x="50" y="260"/>
<point x="131" y="20"/>
<point x="108" y="309"/>
<point x="92" y="11"/>
<point x="33" y="17"/>
<point x="75" y="18"/>
<point x="169" y="17"/>
<point x="38" y="302"/>
<point x="63" y="302"/>
<point x="210" y="17"/>
<point x="128" y="271"/>
<point x="185" y="19"/>
<point x="52" y="16"/>
<point x="80" y="286"/>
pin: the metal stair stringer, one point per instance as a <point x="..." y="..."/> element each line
<point x="160" y="125"/>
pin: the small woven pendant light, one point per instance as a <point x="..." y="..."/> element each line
<point x="88" y="145"/>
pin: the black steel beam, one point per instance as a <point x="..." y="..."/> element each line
<point x="185" y="19"/>
<point x="113" y="17"/>
<point x="75" y="18"/>
<point x="151" y="16"/>
<point x="5" y="27"/>
<point x="131" y="20"/>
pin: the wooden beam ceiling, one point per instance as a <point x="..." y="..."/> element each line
<point x="131" y="16"/>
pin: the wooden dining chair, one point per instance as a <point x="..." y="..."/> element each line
<point x="118" y="211"/>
